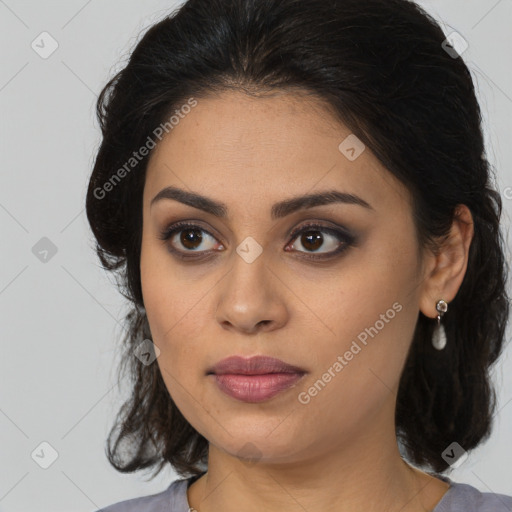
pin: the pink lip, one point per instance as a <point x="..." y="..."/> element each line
<point x="256" y="388"/>
<point x="255" y="365"/>
<point x="254" y="379"/>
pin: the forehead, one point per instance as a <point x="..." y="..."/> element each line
<point x="240" y="147"/>
<point x="234" y="121"/>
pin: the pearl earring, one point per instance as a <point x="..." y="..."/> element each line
<point x="439" y="335"/>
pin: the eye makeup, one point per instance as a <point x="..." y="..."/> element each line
<point x="309" y="233"/>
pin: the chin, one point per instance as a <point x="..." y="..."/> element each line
<point x="258" y="446"/>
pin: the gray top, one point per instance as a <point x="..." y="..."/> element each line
<point x="458" y="498"/>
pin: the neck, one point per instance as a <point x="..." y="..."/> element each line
<point x="365" y="473"/>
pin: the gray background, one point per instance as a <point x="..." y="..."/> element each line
<point x="60" y="319"/>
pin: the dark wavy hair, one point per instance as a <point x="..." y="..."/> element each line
<point x="382" y="68"/>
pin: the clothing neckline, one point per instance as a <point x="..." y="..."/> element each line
<point x="186" y="483"/>
<point x="445" y="496"/>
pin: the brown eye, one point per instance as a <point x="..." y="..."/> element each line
<point x="311" y="238"/>
<point x="183" y="238"/>
<point x="191" y="238"/>
<point x="188" y="240"/>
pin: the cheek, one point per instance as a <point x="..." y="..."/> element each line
<point x="368" y="311"/>
<point x="176" y="330"/>
<point x="177" y="308"/>
<point x="360" y="371"/>
<point x="170" y="299"/>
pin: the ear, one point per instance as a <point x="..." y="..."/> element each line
<point x="445" y="270"/>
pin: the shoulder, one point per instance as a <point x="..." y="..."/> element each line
<point x="172" y="499"/>
<point x="466" y="498"/>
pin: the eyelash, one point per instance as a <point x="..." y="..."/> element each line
<point x="347" y="240"/>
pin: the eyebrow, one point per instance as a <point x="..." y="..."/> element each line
<point x="278" y="210"/>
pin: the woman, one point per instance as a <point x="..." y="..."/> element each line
<point x="296" y="199"/>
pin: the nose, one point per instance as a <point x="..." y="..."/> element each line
<point x="251" y="298"/>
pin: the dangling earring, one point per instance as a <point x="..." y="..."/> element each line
<point x="439" y="335"/>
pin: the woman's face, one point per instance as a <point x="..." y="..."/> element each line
<point x="245" y="284"/>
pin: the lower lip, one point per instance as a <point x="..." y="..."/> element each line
<point x="256" y="388"/>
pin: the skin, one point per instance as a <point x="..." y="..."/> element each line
<point x="339" y="451"/>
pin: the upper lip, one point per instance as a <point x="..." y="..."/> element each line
<point x="255" y="365"/>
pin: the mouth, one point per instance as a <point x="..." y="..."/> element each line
<point x="255" y="388"/>
<point x="255" y="365"/>
<point x="254" y="379"/>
